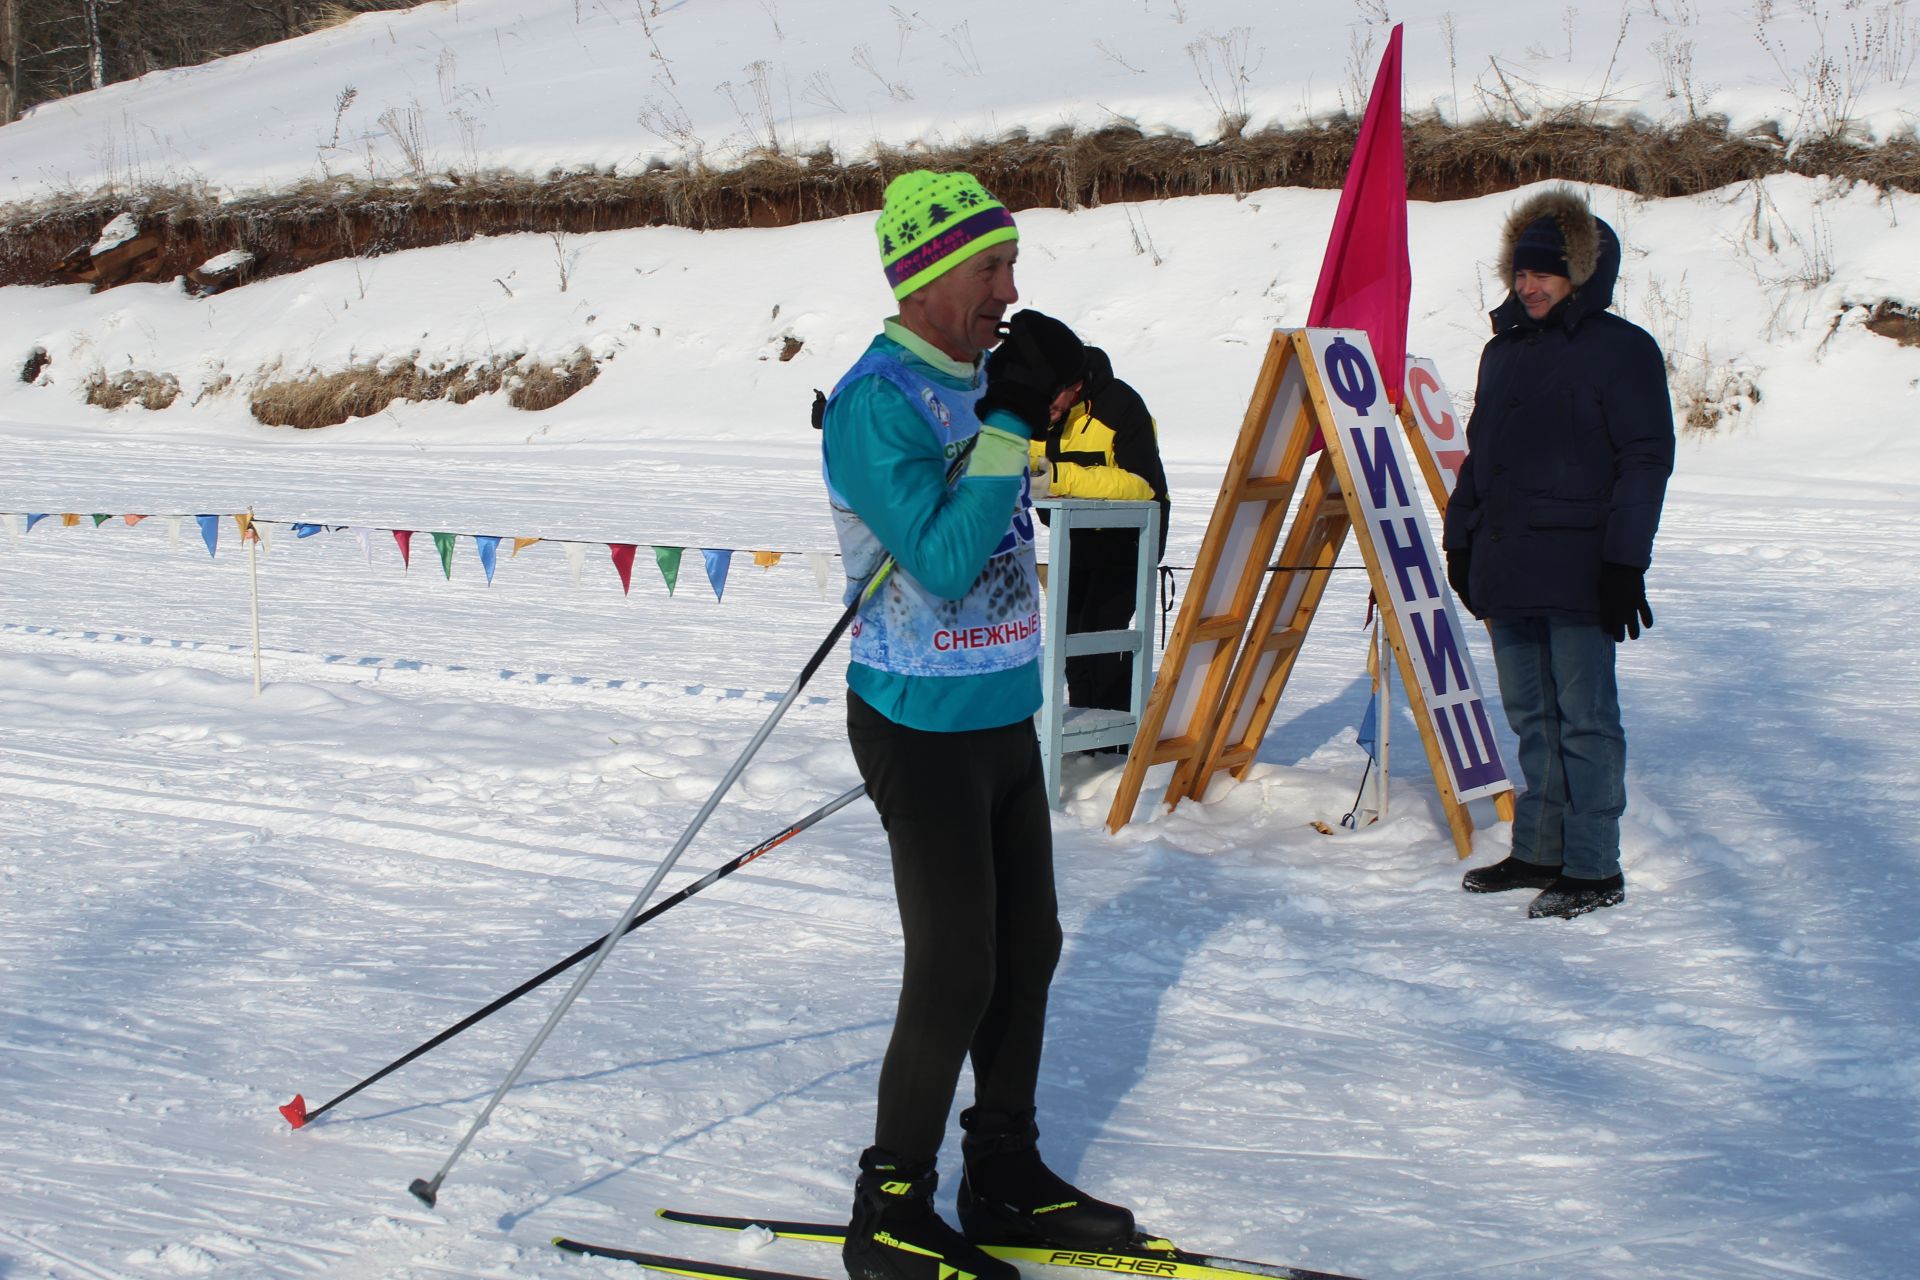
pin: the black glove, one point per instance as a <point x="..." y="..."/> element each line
<point x="1459" y="562"/>
<point x="1039" y="358"/>
<point x="1623" y="601"/>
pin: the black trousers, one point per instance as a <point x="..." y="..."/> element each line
<point x="972" y="842"/>
<point x="1100" y="587"/>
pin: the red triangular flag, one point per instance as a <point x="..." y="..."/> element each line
<point x="1366" y="280"/>
<point x="405" y="538"/>
<point x="295" y="1111"/>
<point x="623" y="561"/>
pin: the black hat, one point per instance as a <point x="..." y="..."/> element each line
<point x="1541" y="247"/>
<point x="1050" y="346"/>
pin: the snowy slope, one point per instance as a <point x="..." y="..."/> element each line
<point x="1272" y="1043"/>
<point x="618" y="84"/>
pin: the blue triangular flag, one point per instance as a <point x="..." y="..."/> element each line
<point x="488" y="544"/>
<point x="34" y="518"/>
<point x="209" y="531"/>
<point x="305" y="530"/>
<point x="1370" y="727"/>
<point x="718" y="562"/>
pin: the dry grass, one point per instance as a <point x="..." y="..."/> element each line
<point x="328" y="399"/>
<point x="134" y="386"/>
<point x="542" y="386"/>
<point x="324" y="221"/>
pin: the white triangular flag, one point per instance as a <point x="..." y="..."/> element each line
<point x="12" y="522"/>
<point x="576" y="556"/>
<point x="173" y="531"/>
<point x="366" y="547"/>
<point x="822" y="565"/>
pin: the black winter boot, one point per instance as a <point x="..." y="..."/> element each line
<point x="1567" y="897"/>
<point x="1007" y="1196"/>
<point x="1512" y="873"/>
<point x="896" y="1235"/>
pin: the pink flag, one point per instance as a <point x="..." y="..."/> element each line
<point x="405" y="538"/>
<point x="1365" y="279"/>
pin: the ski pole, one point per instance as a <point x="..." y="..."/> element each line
<point x="427" y="1190"/>
<point x="296" y="1111"/>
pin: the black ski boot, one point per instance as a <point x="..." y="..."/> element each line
<point x="1568" y="897"/>
<point x="896" y="1235"/>
<point x="1512" y="873"/>
<point x="1007" y="1196"/>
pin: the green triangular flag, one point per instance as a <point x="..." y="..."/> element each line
<point x="99" y="520"/>
<point x="669" y="558"/>
<point x="444" y="543"/>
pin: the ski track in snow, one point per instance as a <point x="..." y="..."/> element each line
<point x="1272" y="1043"/>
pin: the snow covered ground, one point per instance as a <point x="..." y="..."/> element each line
<point x="1273" y="1043"/>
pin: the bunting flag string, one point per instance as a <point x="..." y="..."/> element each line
<point x="716" y="562"/>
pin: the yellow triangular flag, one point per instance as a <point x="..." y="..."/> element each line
<point x="766" y="559"/>
<point x="518" y="543"/>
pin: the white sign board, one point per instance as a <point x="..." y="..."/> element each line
<point x="1412" y="586"/>
<point x="1432" y="409"/>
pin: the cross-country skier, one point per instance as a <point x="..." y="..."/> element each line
<point x="941" y="694"/>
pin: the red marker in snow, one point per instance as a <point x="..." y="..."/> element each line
<point x="295" y="1111"/>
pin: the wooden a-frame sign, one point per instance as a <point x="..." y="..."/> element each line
<point x="1214" y="697"/>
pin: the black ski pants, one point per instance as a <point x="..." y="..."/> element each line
<point x="972" y="843"/>
<point x="1100" y="596"/>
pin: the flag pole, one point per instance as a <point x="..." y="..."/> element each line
<point x="253" y="595"/>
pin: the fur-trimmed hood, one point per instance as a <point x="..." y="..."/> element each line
<point x="1593" y="255"/>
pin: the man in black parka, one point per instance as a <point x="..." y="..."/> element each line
<point x="1549" y="534"/>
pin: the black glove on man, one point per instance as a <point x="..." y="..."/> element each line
<point x="1459" y="562"/>
<point x="1623" y="601"/>
<point x="1038" y="359"/>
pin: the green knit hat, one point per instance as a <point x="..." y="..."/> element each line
<point x="932" y="222"/>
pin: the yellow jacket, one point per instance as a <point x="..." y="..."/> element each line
<point x="1083" y="461"/>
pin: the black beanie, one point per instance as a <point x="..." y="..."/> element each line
<point x="1541" y="247"/>
<point x="1051" y="344"/>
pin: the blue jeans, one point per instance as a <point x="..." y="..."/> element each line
<point x="1556" y="679"/>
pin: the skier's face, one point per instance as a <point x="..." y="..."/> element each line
<point x="960" y="311"/>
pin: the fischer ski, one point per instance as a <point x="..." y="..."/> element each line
<point x="676" y="1266"/>
<point x="1147" y="1255"/>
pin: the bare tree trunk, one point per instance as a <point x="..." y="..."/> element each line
<point x="9" y="60"/>
<point x="96" y="53"/>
